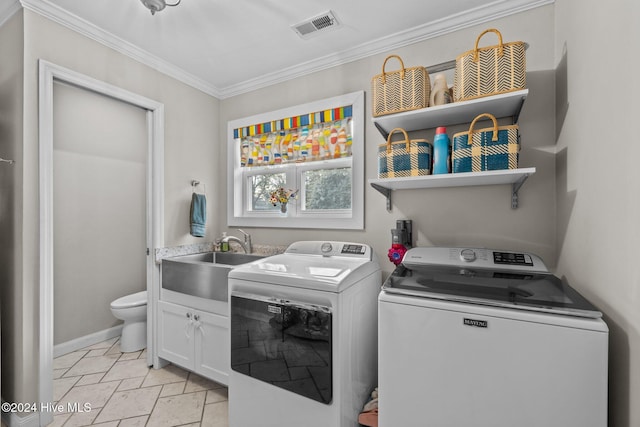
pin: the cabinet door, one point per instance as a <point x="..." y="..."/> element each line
<point x="176" y="334"/>
<point x="212" y="347"/>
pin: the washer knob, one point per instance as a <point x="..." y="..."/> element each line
<point x="326" y="248"/>
<point x="468" y="255"/>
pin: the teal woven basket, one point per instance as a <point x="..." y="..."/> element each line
<point x="494" y="148"/>
<point x="404" y="158"/>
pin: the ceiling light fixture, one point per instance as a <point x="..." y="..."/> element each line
<point x="157" y="5"/>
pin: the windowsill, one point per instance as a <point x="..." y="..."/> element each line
<point x="297" y="222"/>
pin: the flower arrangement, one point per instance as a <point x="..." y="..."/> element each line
<point x="282" y="196"/>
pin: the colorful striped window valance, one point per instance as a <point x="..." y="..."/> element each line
<point x="322" y="135"/>
<point x="310" y="119"/>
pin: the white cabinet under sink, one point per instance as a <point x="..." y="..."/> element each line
<point x="195" y="340"/>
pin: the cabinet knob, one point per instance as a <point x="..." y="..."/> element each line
<point x="188" y="315"/>
<point x="196" y="317"/>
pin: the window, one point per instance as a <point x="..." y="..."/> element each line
<point x="327" y="189"/>
<point x="314" y="152"/>
<point x="261" y="188"/>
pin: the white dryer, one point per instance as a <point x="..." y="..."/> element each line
<point x="303" y="336"/>
<point x="487" y="338"/>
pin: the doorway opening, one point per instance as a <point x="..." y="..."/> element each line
<point x="99" y="213"/>
<point x="50" y="75"/>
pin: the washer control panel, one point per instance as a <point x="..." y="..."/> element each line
<point x="474" y="257"/>
<point x="353" y="249"/>
<point x="512" y="258"/>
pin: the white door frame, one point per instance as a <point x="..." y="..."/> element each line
<point x="48" y="73"/>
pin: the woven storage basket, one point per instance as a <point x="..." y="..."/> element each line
<point x="404" y="158"/>
<point x="401" y="90"/>
<point x="486" y="149"/>
<point x="490" y="70"/>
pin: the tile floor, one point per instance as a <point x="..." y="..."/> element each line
<point x="122" y="391"/>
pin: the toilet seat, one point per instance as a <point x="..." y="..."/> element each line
<point x="129" y="301"/>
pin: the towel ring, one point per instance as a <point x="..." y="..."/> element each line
<point x="194" y="186"/>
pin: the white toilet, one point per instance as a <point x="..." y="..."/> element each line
<point x="133" y="310"/>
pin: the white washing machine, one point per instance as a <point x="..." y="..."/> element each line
<point x="304" y="336"/>
<point x="486" y="338"/>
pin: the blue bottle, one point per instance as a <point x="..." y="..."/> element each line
<point x="441" y="152"/>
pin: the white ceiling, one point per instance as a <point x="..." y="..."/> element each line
<point x="229" y="47"/>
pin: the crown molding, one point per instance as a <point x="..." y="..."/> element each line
<point x="91" y="31"/>
<point x="450" y="24"/>
<point x="8" y="10"/>
<point x="495" y="10"/>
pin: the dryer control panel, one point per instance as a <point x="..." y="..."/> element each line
<point x="330" y="248"/>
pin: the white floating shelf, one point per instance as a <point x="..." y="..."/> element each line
<point x="515" y="177"/>
<point x="502" y="105"/>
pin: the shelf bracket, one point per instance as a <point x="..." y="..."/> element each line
<point x="386" y="192"/>
<point x="516" y="115"/>
<point x="515" y="187"/>
<point x="382" y="131"/>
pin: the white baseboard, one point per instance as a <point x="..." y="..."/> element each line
<point x="86" y="341"/>
<point x="11" y="419"/>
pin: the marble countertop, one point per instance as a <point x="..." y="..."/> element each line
<point x="173" y="251"/>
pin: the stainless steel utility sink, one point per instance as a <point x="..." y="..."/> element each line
<point x="228" y="258"/>
<point x="202" y="275"/>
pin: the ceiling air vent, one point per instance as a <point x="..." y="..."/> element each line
<point x="312" y="26"/>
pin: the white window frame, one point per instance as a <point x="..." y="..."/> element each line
<point x="238" y="197"/>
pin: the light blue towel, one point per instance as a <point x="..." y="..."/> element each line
<point x="198" y="215"/>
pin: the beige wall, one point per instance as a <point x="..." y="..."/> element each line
<point x="598" y="182"/>
<point x="191" y="129"/>
<point x="447" y="216"/>
<point x="11" y="292"/>
<point x="100" y="150"/>
<point x="190" y="115"/>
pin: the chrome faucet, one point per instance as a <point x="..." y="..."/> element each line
<point x="246" y="244"/>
